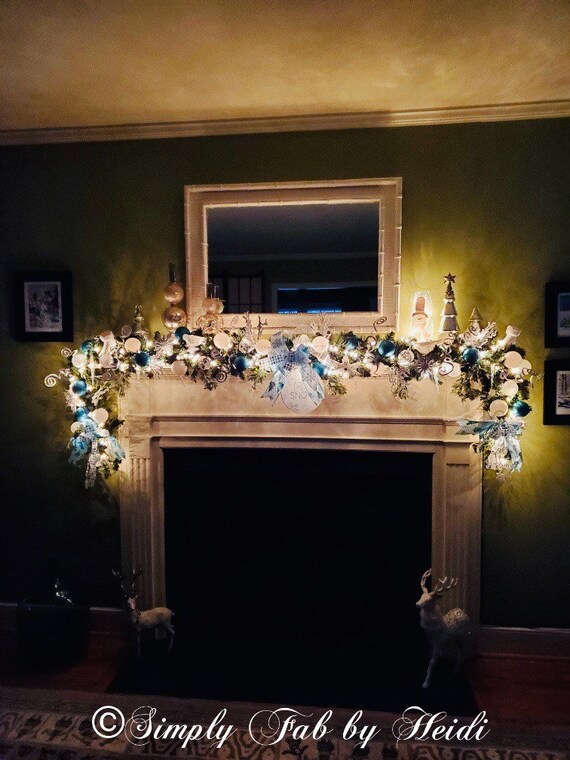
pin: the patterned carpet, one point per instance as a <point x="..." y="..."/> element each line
<point x="41" y="725"/>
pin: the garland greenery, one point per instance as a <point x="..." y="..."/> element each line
<point x="485" y="369"/>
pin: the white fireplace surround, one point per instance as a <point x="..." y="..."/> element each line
<point x="173" y="413"/>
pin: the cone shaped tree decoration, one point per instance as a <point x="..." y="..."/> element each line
<point x="449" y="313"/>
<point x="475" y="321"/>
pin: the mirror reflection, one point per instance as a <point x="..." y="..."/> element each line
<point x="292" y="258"/>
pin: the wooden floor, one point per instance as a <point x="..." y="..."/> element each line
<point x="512" y="689"/>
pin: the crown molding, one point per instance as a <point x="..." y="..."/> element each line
<point x="318" y="122"/>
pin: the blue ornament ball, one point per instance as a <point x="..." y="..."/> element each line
<point x="142" y="359"/>
<point x="470" y="355"/>
<point x="80" y="414"/>
<point x="521" y="408"/>
<point x="351" y="342"/>
<point x="79" y="387"/>
<point x="240" y="362"/>
<point x="86" y="346"/>
<point x="386" y="348"/>
<point x="320" y="368"/>
<point x="180" y="332"/>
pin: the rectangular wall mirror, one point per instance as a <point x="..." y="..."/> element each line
<point x="289" y="250"/>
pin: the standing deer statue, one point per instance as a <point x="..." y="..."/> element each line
<point x="156" y="619"/>
<point x="443" y="631"/>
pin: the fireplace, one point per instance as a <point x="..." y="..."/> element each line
<point x="294" y="571"/>
<point x="173" y="428"/>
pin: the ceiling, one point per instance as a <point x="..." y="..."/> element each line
<point x="100" y="63"/>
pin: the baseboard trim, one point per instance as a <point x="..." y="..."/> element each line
<point x="552" y="109"/>
<point x="102" y="620"/>
<point x="529" y="642"/>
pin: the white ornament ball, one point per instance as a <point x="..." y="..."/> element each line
<point x="301" y="340"/>
<point x="79" y="360"/>
<point x="509" y="388"/>
<point x="106" y="360"/>
<point x="295" y="393"/>
<point x="320" y="344"/>
<point x="178" y="368"/>
<point x="223" y="341"/>
<point x="126" y="330"/>
<point x="498" y="408"/>
<point x="513" y="360"/>
<point x="76" y="427"/>
<point x="405" y="358"/>
<point x="526" y="367"/>
<point x="132" y="345"/>
<point x="263" y="346"/>
<point x="100" y="415"/>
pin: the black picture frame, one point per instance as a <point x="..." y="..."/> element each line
<point x="43" y="306"/>
<point x="557" y="392"/>
<point x="557" y="315"/>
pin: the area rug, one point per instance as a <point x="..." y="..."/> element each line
<point x="42" y="725"/>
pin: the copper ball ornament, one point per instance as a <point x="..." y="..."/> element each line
<point x="174" y="292"/>
<point x="174" y="317"/>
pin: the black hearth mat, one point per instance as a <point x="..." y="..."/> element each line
<point x="291" y="675"/>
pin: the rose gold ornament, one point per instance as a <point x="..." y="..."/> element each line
<point x="173" y="317"/>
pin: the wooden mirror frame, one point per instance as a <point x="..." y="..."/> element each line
<point x="387" y="192"/>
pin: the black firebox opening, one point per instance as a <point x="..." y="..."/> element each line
<point x="293" y="573"/>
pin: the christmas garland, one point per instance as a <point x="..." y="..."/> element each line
<point x="300" y="369"/>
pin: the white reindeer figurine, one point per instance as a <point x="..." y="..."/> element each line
<point x="443" y="631"/>
<point x="158" y="618"/>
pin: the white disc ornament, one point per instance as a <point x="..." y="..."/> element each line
<point x="100" y="415"/>
<point x="320" y="344"/>
<point x="263" y="346"/>
<point x="513" y="360"/>
<point x="76" y="427"/>
<point x="78" y="360"/>
<point x="498" y="408"/>
<point x="298" y="396"/>
<point x="106" y="360"/>
<point x="509" y="388"/>
<point x="178" y="368"/>
<point x="445" y="368"/>
<point x="223" y="341"/>
<point x="526" y="367"/>
<point x="405" y="358"/>
<point x="301" y="340"/>
<point x="126" y="330"/>
<point x="133" y="345"/>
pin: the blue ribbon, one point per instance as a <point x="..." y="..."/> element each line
<point x="281" y="360"/>
<point x="498" y="434"/>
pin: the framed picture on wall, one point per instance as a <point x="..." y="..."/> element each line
<point x="557" y="392"/>
<point x="44" y="306"/>
<point x="557" y="315"/>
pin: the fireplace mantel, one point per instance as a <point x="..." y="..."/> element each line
<point x="169" y="412"/>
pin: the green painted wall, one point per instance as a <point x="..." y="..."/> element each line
<point x="488" y="202"/>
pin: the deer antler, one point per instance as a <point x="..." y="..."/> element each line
<point x="423" y="582"/>
<point x="443" y="585"/>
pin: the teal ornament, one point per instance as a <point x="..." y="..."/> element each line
<point x="180" y="332"/>
<point x="386" y="348"/>
<point x="86" y="346"/>
<point x="80" y="414"/>
<point x="142" y="359"/>
<point x="240" y="362"/>
<point x="470" y="356"/>
<point x="521" y="408"/>
<point x="320" y="368"/>
<point x="351" y="341"/>
<point x="79" y="387"/>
